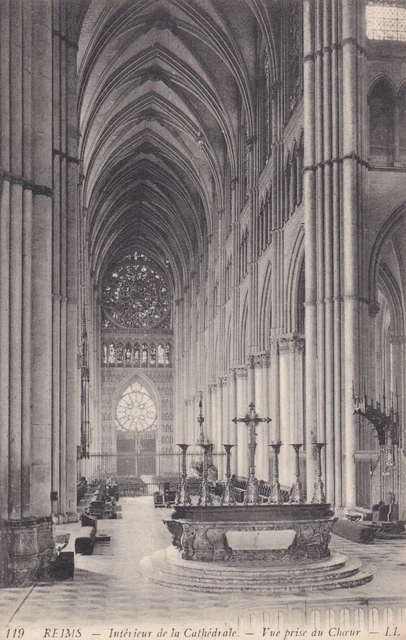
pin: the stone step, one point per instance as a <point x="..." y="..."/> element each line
<point x="207" y="572"/>
<point x="334" y="562"/>
<point x="159" y="569"/>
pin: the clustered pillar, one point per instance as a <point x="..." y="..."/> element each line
<point x="38" y="229"/>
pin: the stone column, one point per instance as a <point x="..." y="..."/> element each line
<point x="353" y="56"/>
<point x="291" y="348"/>
<point x="232" y="413"/>
<point x="309" y="197"/>
<point x="242" y="408"/>
<point x="262" y="408"/>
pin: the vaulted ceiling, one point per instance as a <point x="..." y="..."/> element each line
<point x="161" y="87"/>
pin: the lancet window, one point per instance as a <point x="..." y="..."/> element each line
<point x="387" y="124"/>
<point x="294" y="52"/>
<point x="382" y="123"/>
<point x="293" y="179"/>
<point x="215" y="297"/>
<point x="244" y="254"/>
<point x="266" y="111"/>
<point x="161" y="355"/>
<point x="228" y="277"/>
<point x="149" y="354"/>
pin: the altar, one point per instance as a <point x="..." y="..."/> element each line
<point x="207" y="533"/>
<point x="273" y="547"/>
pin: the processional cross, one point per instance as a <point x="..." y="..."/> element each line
<point x="251" y="420"/>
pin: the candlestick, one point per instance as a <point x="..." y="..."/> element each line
<point x="182" y="495"/>
<point x="319" y="496"/>
<point x="296" y="492"/>
<point x="275" y="493"/>
<point x="228" y="496"/>
<point x="205" y="498"/>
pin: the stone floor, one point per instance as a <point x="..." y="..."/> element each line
<point x="108" y="591"/>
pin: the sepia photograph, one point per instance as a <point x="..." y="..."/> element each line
<point x="203" y="319"/>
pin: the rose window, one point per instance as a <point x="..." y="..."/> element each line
<point x="136" y="410"/>
<point x="135" y="294"/>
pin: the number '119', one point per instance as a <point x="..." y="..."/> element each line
<point x="14" y="633"/>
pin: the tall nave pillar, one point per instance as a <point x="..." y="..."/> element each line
<point x="334" y="168"/>
<point x="37" y="214"/>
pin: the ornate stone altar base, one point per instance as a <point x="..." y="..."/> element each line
<point x="203" y="533"/>
<point x="268" y="548"/>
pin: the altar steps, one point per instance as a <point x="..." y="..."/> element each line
<point x="166" y="568"/>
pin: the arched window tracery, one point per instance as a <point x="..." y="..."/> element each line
<point x="266" y="111"/>
<point x="105" y="353"/>
<point x="161" y="355"/>
<point x="120" y="355"/>
<point x="136" y="410"/>
<point x="152" y="355"/>
<point x="112" y="354"/>
<point x="135" y="294"/>
<point x="168" y="355"/>
<point x="144" y="355"/>
<point x="402" y="124"/>
<point x="128" y="354"/>
<point x="382" y="123"/>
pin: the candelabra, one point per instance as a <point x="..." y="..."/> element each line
<point x="182" y="495"/>
<point x="296" y="492"/>
<point x="275" y="493"/>
<point x="319" y="496"/>
<point x="205" y="498"/>
<point x="228" y="497"/>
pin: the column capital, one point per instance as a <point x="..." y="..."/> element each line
<point x="240" y="371"/>
<point x="262" y="359"/>
<point x="291" y="343"/>
<point x="373" y="308"/>
<point x="223" y="379"/>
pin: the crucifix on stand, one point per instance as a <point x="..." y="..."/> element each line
<point x="200" y="420"/>
<point x="251" y="420"/>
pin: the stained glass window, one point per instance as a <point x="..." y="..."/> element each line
<point x="294" y="53"/>
<point x="161" y="355"/>
<point x="266" y="111"/>
<point x="144" y="355"/>
<point x="135" y="293"/>
<point x="386" y="19"/>
<point x="136" y="410"/>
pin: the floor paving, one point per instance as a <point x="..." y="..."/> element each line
<point x="109" y="594"/>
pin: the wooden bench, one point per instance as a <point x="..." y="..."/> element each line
<point x="85" y="541"/>
<point x="354" y="531"/>
<point x="64" y="563"/>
